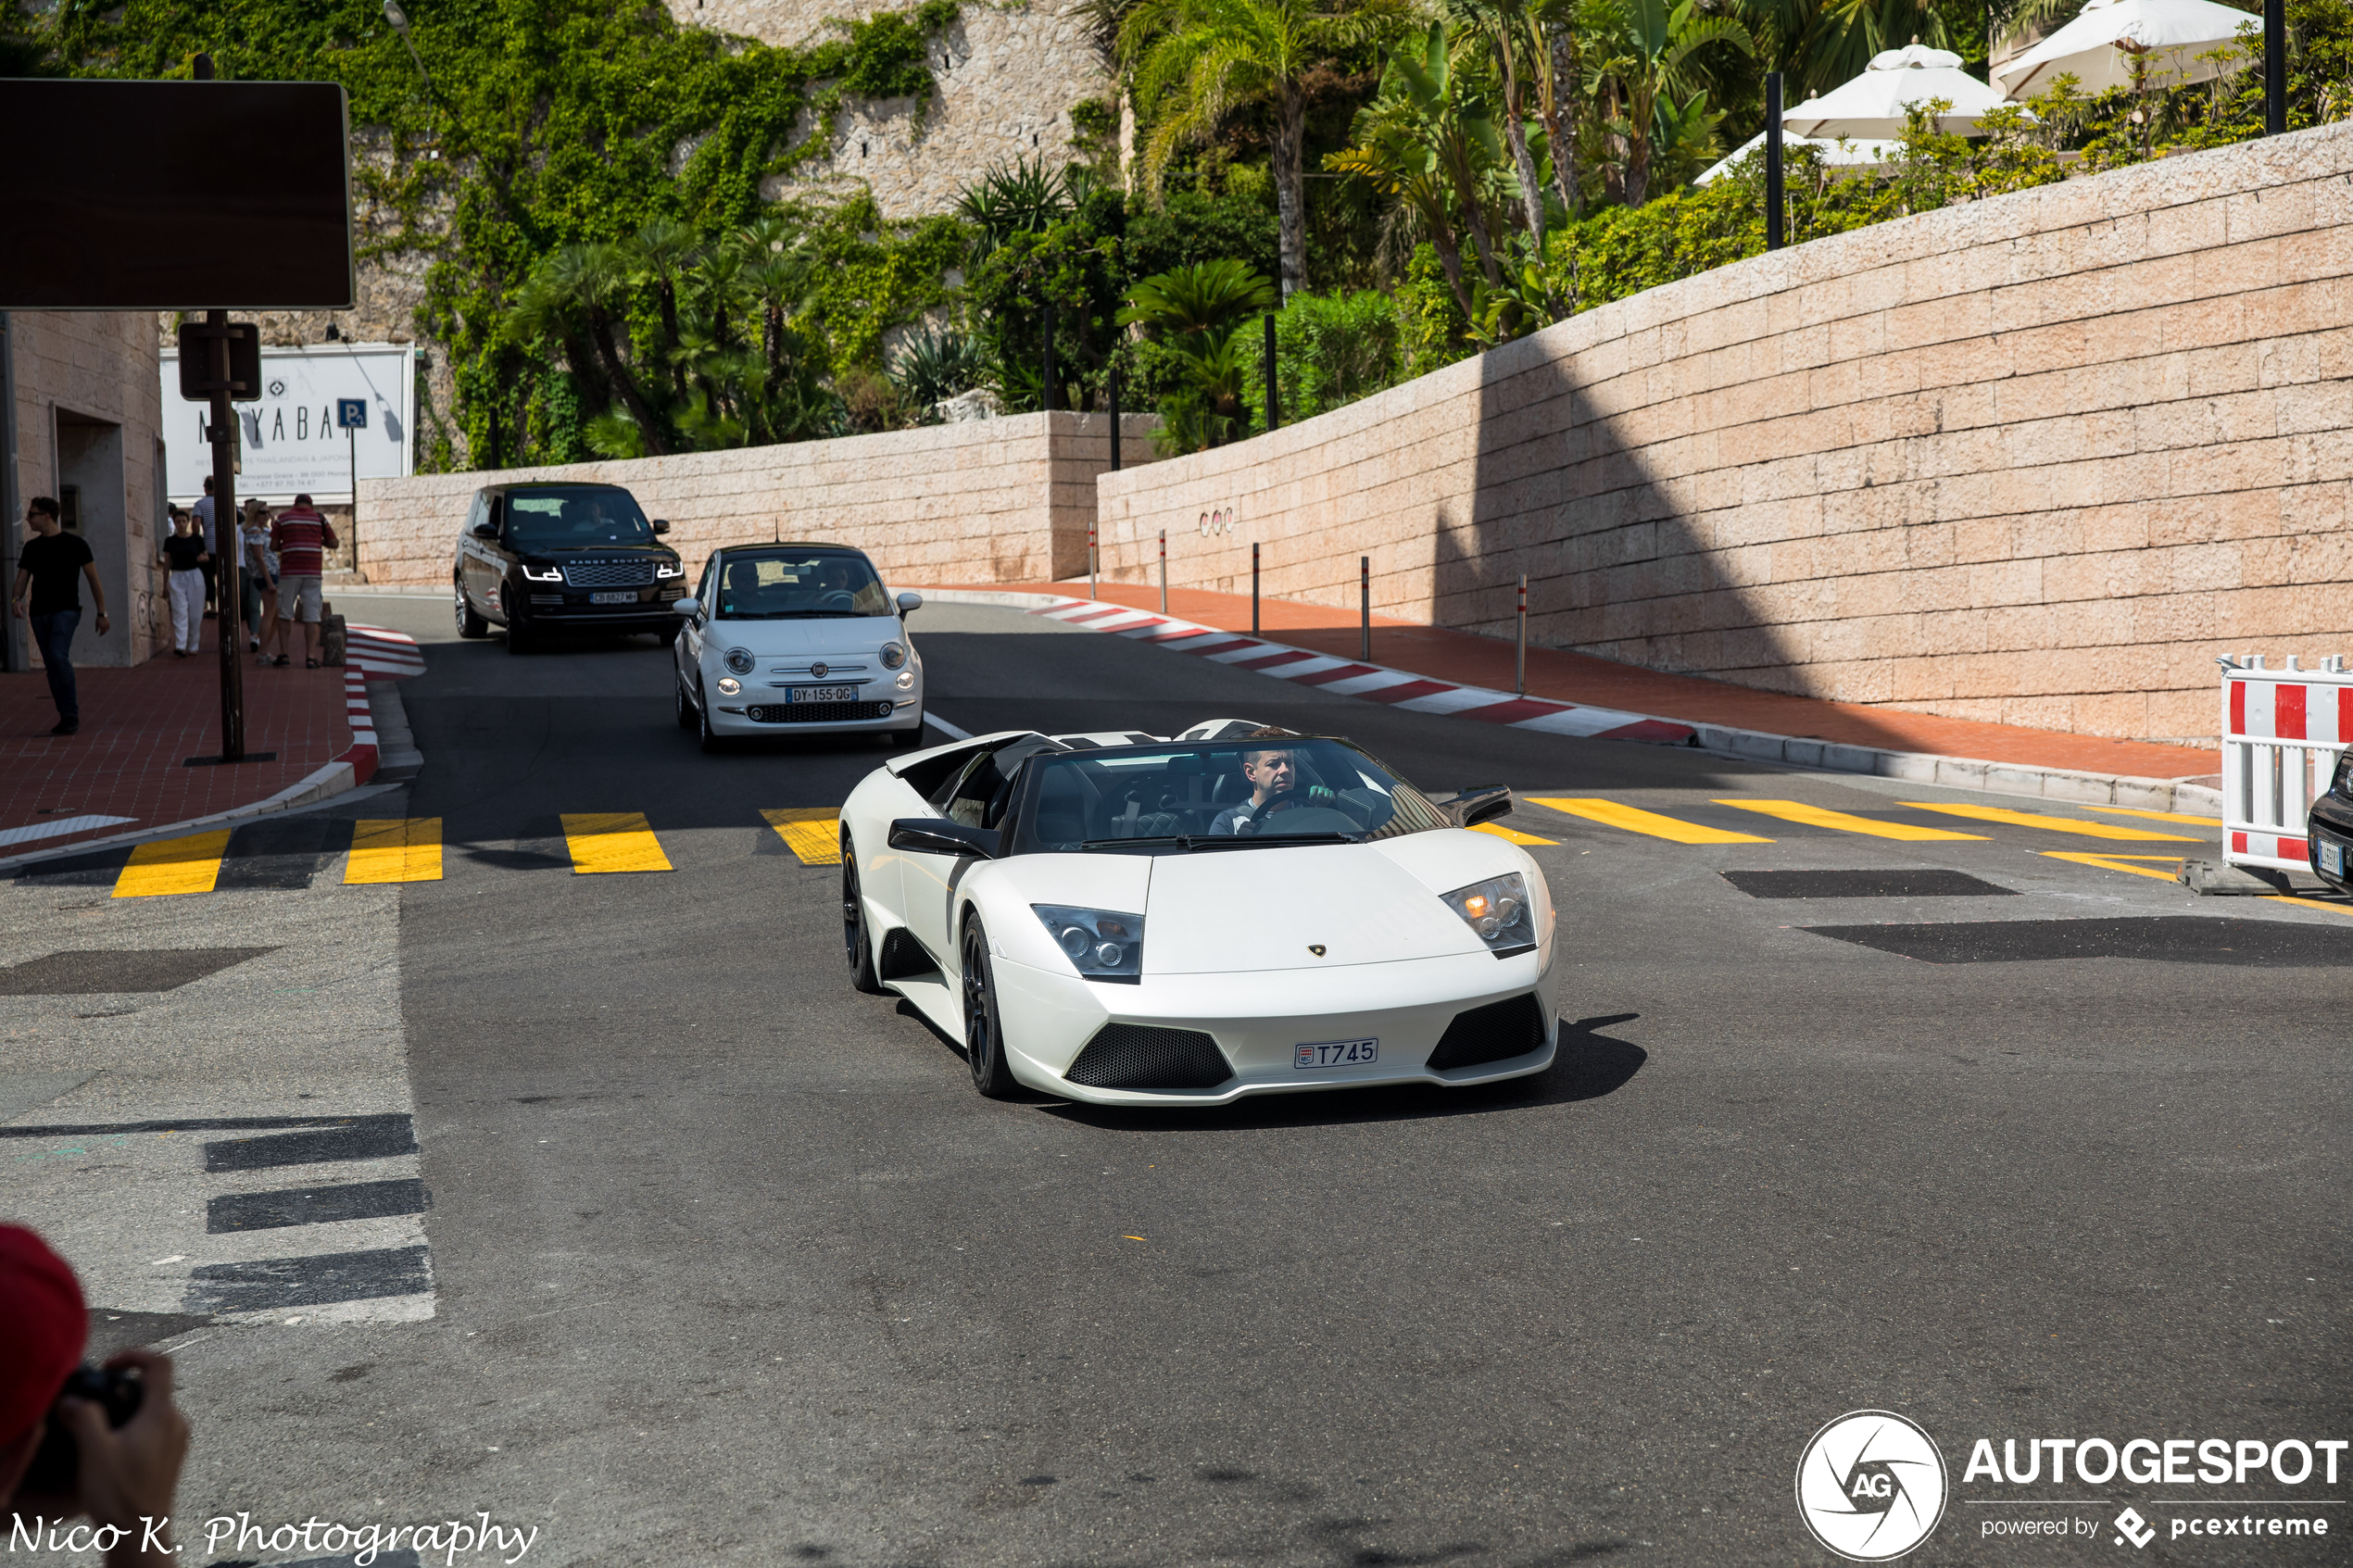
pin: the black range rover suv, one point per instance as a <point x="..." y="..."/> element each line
<point x="563" y="557"/>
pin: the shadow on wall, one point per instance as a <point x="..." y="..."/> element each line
<point x="1616" y="572"/>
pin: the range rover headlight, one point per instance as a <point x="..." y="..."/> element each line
<point x="543" y="573"/>
<point x="670" y="568"/>
<point x="740" y="660"/>
<point x="893" y="655"/>
<point x="729" y="685"/>
<point x="1101" y="944"/>
<point x="1498" y="910"/>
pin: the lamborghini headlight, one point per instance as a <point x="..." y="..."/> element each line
<point x="1104" y="944"/>
<point x="1498" y="910"/>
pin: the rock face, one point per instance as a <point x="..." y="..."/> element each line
<point x="965" y="407"/>
<point x="1006" y="78"/>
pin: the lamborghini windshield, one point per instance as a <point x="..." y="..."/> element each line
<point x="794" y="585"/>
<point x="1219" y="795"/>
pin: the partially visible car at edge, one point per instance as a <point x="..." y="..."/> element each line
<point x="538" y="559"/>
<point x="2329" y="832"/>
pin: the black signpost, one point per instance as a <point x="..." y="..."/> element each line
<point x="225" y="357"/>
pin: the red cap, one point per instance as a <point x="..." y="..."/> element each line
<point x="41" y="1304"/>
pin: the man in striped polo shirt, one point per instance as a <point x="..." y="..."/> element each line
<point x="302" y="539"/>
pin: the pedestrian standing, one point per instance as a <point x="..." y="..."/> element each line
<point x="302" y="539"/>
<point x="51" y="564"/>
<point x="185" y="555"/>
<point x="259" y="578"/>
<point x="204" y="510"/>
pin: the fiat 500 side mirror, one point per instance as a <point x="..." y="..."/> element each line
<point x="1482" y="804"/>
<point x="938" y="836"/>
<point x="485" y="531"/>
<point x="910" y="603"/>
<point x="662" y="525"/>
<point x="687" y="606"/>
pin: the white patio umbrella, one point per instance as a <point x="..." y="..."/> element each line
<point x="1839" y="153"/>
<point x="1873" y="105"/>
<point x="2099" y="44"/>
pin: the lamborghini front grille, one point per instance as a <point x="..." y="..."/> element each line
<point x="1495" y="1033"/>
<point x="1138" y="1056"/>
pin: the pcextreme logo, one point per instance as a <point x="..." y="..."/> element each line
<point x="1870" y="1486"/>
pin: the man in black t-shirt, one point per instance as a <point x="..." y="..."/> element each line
<point x="50" y="564"/>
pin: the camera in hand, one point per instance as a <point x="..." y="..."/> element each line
<point x="57" y="1465"/>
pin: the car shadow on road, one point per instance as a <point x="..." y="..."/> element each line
<point x="1590" y="1065"/>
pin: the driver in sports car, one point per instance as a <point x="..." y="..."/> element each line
<point x="1273" y="777"/>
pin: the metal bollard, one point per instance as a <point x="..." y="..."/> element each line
<point x="1253" y="589"/>
<point x="1091" y="560"/>
<point x="1365" y="607"/>
<point x="1519" y="661"/>
<point x="1164" y="571"/>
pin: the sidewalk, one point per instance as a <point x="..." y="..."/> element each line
<point x="125" y="772"/>
<point x="1465" y="659"/>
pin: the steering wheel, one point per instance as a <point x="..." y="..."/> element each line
<point x="1306" y="820"/>
<point x="848" y="600"/>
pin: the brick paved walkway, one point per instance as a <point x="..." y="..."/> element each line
<point x="137" y="727"/>
<point x="1467" y="659"/>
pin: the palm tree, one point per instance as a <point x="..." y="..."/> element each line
<point x="1514" y="42"/>
<point x="596" y="276"/>
<point x="1192" y="308"/>
<point x="1646" y="65"/>
<point x="660" y="255"/>
<point x="1201" y="60"/>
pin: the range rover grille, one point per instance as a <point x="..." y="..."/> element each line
<point x="609" y="573"/>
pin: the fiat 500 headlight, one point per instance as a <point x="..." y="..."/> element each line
<point x="739" y="660"/>
<point x="729" y="685"/>
<point x="894" y="655"/>
<point x="1497" y="909"/>
<point x="1104" y="944"/>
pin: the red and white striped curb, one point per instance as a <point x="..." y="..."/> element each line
<point x="362" y="754"/>
<point x="1374" y="682"/>
<point x="382" y="653"/>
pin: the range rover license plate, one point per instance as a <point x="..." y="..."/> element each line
<point x="612" y="598"/>
<point x="2331" y="857"/>
<point x="1337" y="1053"/>
<point x="821" y="693"/>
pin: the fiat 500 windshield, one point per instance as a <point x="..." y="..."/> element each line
<point x="1226" y="795"/>
<point x="788" y="586"/>
<point x="574" y="519"/>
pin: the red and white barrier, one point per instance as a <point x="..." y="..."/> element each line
<point x="2283" y="731"/>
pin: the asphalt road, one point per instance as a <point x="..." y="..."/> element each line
<point x="731" y="1265"/>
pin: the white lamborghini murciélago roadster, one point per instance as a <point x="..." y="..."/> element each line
<point x="1127" y="919"/>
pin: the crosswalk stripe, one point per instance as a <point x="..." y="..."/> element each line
<point x="2163" y="816"/>
<point x="809" y="832"/>
<point x="1510" y="836"/>
<point x="2117" y="863"/>
<point x="612" y="840"/>
<point x="1633" y="819"/>
<point x="2049" y="824"/>
<point x="173" y="865"/>
<point x="394" y="849"/>
<point x="1819" y="817"/>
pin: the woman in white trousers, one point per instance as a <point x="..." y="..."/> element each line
<point x="185" y="554"/>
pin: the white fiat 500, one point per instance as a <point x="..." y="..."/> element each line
<point x="795" y="639"/>
<point x="1130" y="920"/>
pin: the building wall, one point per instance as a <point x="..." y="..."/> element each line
<point x="2036" y="460"/>
<point x="992" y="500"/>
<point x="88" y="412"/>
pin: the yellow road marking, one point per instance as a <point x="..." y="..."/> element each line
<point x="2162" y="816"/>
<point x="394" y="849"/>
<point x="613" y="841"/>
<point x="2116" y="862"/>
<point x="1815" y="816"/>
<point x="1633" y="819"/>
<point x="811" y="831"/>
<point x="2307" y="903"/>
<point x="173" y="865"/>
<point x="2050" y="824"/>
<point x="1510" y="836"/>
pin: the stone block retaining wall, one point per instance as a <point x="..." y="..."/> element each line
<point x="1004" y="500"/>
<point x="2035" y="459"/>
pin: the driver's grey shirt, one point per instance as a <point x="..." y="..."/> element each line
<point x="1229" y="822"/>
